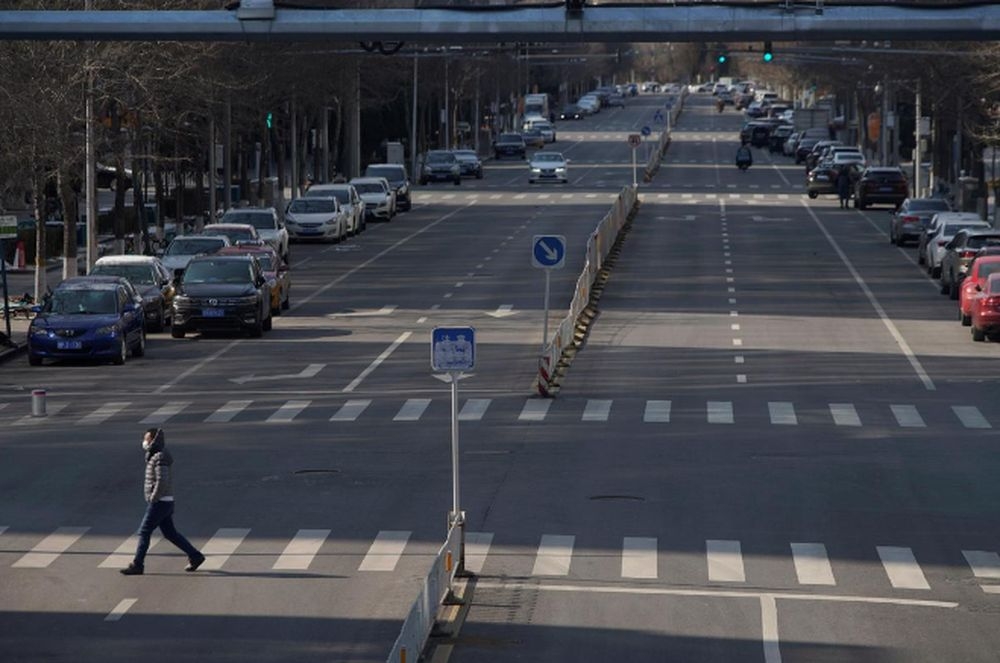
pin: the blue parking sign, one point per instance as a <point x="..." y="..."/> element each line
<point x="453" y="348"/>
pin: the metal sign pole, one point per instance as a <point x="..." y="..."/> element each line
<point x="634" y="176"/>
<point x="455" y="510"/>
<point x="6" y="296"/>
<point x="545" y="327"/>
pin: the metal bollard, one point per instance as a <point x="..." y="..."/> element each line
<point x="38" y="402"/>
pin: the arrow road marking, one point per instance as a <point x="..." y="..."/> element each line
<point x="502" y="311"/>
<point x="309" y="371"/>
<point x="385" y="310"/>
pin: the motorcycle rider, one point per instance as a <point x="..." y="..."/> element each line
<point x="744" y="157"/>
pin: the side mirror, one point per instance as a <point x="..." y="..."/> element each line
<point x="259" y="281"/>
<point x="979" y="288"/>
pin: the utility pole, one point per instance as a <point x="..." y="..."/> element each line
<point x="916" y="147"/>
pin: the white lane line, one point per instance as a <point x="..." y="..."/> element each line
<point x="639" y="557"/>
<point x="596" y="410"/>
<point x="554" y="554"/>
<point x="412" y="409"/>
<point x="769" y="629"/>
<point x="119" y="610"/>
<point x="741" y="378"/>
<point x="165" y="412"/>
<point x="991" y="589"/>
<point x="477" y="547"/>
<point x="844" y="414"/>
<point x="102" y="414"/>
<point x="385" y="551"/>
<point x="985" y="565"/>
<point x="534" y="410"/>
<point x="48" y="549"/>
<point x="227" y="412"/>
<point x="51" y="409"/>
<point x="904" y="347"/>
<point x="351" y="410"/>
<point x="720" y="412"/>
<point x="907" y="416"/>
<point x="902" y="568"/>
<point x="812" y="564"/>
<point x="422" y="319"/>
<point x="739" y="359"/>
<point x="474" y="409"/>
<point x="124" y="553"/>
<point x="657" y="412"/>
<point x="288" y="412"/>
<point x="782" y="413"/>
<point x="301" y="550"/>
<point x="220" y="547"/>
<point x="496" y="196"/>
<point x="378" y="361"/>
<point x="970" y="416"/>
<point x="725" y="561"/>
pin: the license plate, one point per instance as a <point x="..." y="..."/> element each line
<point x="885" y="189"/>
<point x="68" y="345"/>
<point x="212" y="313"/>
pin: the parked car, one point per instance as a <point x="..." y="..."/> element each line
<point x="548" y="167"/>
<point x="349" y="201"/>
<point x="912" y="218"/>
<point x="379" y="197"/>
<point x="398" y="179"/>
<point x="440" y="166"/>
<point x="150" y="278"/>
<point x="823" y="178"/>
<point x="469" y="163"/>
<point x="276" y="270"/>
<point x="944" y="226"/>
<point x="222" y="293"/>
<point x="985" y="263"/>
<point x="985" y="319"/>
<point x="817" y="152"/>
<point x="236" y="232"/>
<point x="776" y="142"/>
<point x="89" y="317"/>
<point x="266" y="222"/>
<point x="959" y="252"/>
<point x="315" y="218"/>
<point x="184" y="247"/>
<point x="509" y="144"/>
<point x="533" y="137"/>
<point x="788" y="149"/>
<point x="881" y="185"/>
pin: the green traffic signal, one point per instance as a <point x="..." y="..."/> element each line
<point x="270" y="120"/>
<point x="721" y="59"/>
<point x="768" y="52"/>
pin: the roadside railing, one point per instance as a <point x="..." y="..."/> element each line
<point x="673" y="111"/>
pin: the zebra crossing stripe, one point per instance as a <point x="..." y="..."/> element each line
<point x="474" y="409"/>
<point x="984" y="565"/>
<point x="657" y="412"/>
<point x="220" y="547"/>
<point x="227" y="412"/>
<point x="477" y="547"/>
<point x="496" y="196"/>
<point x="554" y="555"/>
<point x="639" y="557"/>
<point x="907" y="416"/>
<point x="48" y="549"/>
<point x="3" y="406"/>
<point x="301" y="550"/>
<point x="844" y="414"/>
<point x="782" y="413"/>
<point x="812" y="565"/>
<point x="124" y="553"/>
<point x="412" y="409"/>
<point x="970" y="416"/>
<point x="165" y="412"/>
<point x="288" y="412"/>
<point x="51" y="409"/>
<point x="596" y="410"/>
<point x="351" y="410"/>
<point x="102" y="414"/>
<point x="119" y="610"/>
<point x="385" y="551"/>
<point x="534" y="410"/>
<point x="720" y="412"/>
<point x="725" y="561"/>
<point x="902" y="568"/>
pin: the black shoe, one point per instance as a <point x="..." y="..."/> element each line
<point x="131" y="570"/>
<point x="194" y="563"/>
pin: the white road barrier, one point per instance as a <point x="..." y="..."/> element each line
<point x="673" y="111"/>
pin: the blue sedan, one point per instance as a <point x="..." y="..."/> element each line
<point x="88" y="318"/>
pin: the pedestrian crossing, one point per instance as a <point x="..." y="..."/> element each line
<point x="723" y="561"/>
<point x="753" y="198"/>
<point x="524" y="411"/>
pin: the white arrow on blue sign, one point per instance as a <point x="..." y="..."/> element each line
<point x="548" y="251"/>
<point x="453" y="348"/>
<point x="646" y="131"/>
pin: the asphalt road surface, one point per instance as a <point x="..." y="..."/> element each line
<point x="777" y="444"/>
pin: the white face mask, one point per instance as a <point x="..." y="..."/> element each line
<point x="146" y="443"/>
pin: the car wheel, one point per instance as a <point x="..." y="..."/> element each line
<point x="423" y="182"/>
<point x="122" y="352"/>
<point x="268" y="324"/>
<point x="479" y="175"/>
<point x="140" y="348"/>
<point x="276" y="310"/>
<point x="287" y="303"/>
<point x="176" y="331"/>
<point x="860" y="204"/>
<point x="920" y="257"/>
<point x="945" y="287"/>
<point x="257" y="329"/>
<point x="458" y="181"/>
<point x="813" y="195"/>
<point x="966" y="320"/>
<point x="978" y="335"/>
<point x="158" y="325"/>
<point x="34" y="360"/>
<point x="936" y="272"/>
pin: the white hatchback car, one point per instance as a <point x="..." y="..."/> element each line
<point x="941" y="230"/>
<point x="316" y="218"/>
<point x="348" y="198"/>
<point x="379" y="197"/>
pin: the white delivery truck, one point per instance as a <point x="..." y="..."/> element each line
<point x="536" y="104"/>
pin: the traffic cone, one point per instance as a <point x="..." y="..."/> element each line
<point x="19" y="254"/>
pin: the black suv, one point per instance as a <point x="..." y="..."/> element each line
<point x="507" y="145"/>
<point x="219" y="293"/>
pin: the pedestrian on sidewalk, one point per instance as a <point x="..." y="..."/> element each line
<point x="158" y="490"/>
<point x="844" y="187"/>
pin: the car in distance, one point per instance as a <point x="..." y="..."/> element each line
<point x="986" y="309"/>
<point x="398" y="179"/>
<point x="469" y="163"/>
<point x="316" y="218"/>
<point x="982" y="266"/>
<point x="959" y="253"/>
<point x="349" y="200"/>
<point x="267" y="224"/>
<point x="88" y="317"/>
<point x="440" y="166"/>
<point x="571" y="112"/>
<point x="881" y="185"/>
<point x="912" y="217"/>
<point x="548" y="167"/>
<point x="236" y="232"/>
<point x="276" y="271"/>
<point x="510" y="144"/>
<point x="548" y="130"/>
<point x="222" y="293"/>
<point x="184" y="247"/>
<point x="151" y="279"/>
<point x="533" y="137"/>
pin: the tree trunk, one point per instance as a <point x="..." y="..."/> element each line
<point x="41" y="285"/>
<point x="70" y="205"/>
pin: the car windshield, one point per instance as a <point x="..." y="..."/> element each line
<point x="951" y="229"/>
<point x="978" y="242"/>
<point x="548" y="156"/>
<point x="465" y="155"/>
<point x="218" y="271"/>
<point x="83" y="302"/>
<point x="259" y="220"/>
<point x="439" y="157"/>
<point x="509" y="138"/>
<point x="929" y="205"/>
<point x="987" y="268"/>
<point x="137" y="274"/>
<point x="234" y="234"/>
<point x="388" y="172"/>
<point x="368" y="187"/>
<point x="312" y="206"/>
<point x="192" y="246"/>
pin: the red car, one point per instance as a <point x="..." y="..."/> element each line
<point x="981" y="267"/>
<point x="986" y="309"/>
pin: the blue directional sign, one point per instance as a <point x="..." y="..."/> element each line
<point x="645" y="131"/>
<point x="548" y="251"/>
<point x="658" y="117"/>
<point x="453" y="348"/>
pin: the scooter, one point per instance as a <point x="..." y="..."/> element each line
<point x="720" y="105"/>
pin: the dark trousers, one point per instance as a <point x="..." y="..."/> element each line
<point x="161" y="514"/>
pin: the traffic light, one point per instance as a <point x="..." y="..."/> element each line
<point x="722" y="58"/>
<point x="768" y="52"/>
<point x="270" y="120"/>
